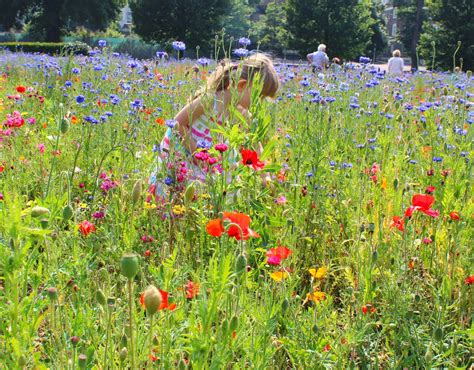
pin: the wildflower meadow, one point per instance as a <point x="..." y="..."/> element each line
<point x="357" y="253"/>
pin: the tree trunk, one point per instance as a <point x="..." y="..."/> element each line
<point x="416" y="33"/>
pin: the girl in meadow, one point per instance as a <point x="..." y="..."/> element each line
<point x="189" y="135"/>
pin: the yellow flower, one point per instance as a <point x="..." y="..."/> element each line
<point x="83" y="205"/>
<point x="320" y="273"/>
<point x="179" y="210"/>
<point x="384" y="183"/>
<point x="315" y="296"/>
<point x="279" y="275"/>
<point x="149" y="205"/>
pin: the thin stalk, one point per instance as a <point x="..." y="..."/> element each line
<point x="130" y="310"/>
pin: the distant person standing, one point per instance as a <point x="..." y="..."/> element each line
<point x="395" y="64"/>
<point x="319" y="59"/>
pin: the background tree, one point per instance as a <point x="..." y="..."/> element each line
<point x="195" y="22"/>
<point x="378" y="40"/>
<point x="343" y="25"/>
<point x="271" y="29"/>
<point x="413" y="14"/>
<point x="50" y="19"/>
<point x="452" y="21"/>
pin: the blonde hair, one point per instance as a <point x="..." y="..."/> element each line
<point x="322" y="47"/>
<point x="256" y="65"/>
<point x="396" y="53"/>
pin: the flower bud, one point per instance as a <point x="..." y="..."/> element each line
<point x="137" y="191"/>
<point x="129" y="265"/>
<point x="82" y="361"/>
<point x="153" y="299"/>
<point x="123" y="340"/>
<point x="240" y="264"/>
<point x="75" y="340"/>
<point x="100" y="297"/>
<point x="123" y="354"/>
<point x="234" y="322"/>
<point x="53" y="294"/>
<point x="155" y="340"/>
<point x="67" y="213"/>
<point x="21" y="361"/>
<point x="284" y="305"/>
<point x="38" y="211"/>
<point x="64" y="125"/>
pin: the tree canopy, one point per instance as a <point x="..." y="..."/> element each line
<point x="51" y="19"/>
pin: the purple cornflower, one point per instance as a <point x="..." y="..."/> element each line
<point x="179" y="45"/>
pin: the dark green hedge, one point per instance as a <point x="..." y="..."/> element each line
<point x="53" y="48"/>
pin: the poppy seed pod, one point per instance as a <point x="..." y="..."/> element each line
<point x="39" y="211"/>
<point x="137" y="191"/>
<point x="100" y="297"/>
<point x="153" y="299"/>
<point x="64" y="125"/>
<point x="82" y="361"/>
<point x="240" y="264"/>
<point x="129" y="265"/>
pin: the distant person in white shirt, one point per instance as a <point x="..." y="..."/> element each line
<point x="395" y="64"/>
<point x="319" y="59"/>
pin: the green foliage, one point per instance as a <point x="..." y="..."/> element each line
<point x="452" y="21"/>
<point x="271" y="29"/>
<point x="343" y="25"/>
<point x="51" y="19"/>
<point x="137" y="48"/>
<point x="53" y="48"/>
<point x="193" y="21"/>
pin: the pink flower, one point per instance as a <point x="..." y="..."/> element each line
<point x="280" y="200"/>
<point x="31" y="120"/>
<point x="41" y="147"/>
<point x="221" y="147"/>
<point x="274" y="260"/>
<point x="427" y="241"/>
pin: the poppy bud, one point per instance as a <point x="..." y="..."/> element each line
<point x="39" y="211"/>
<point x="123" y="354"/>
<point x="182" y="365"/>
<point x="100" y="297"/>
<point x="240" y="264"/>
<point x="44" y="223"/>
<point x="315" y="328"/>
<point x="374" y="256"/>
<point x="82" y="361"/>
<point x="153" y="299"/>
<point x="429" y="354"/>
<point x="137" y="191"/>
<point x="103" y="275"/>
<point x="189" y="193"/>
<point x="234" y="322"/>
<point x="123" y="340"/>
<point x="67" y="213"/>
<point x="129" y="265"/>
<point x="53" y="294"/>
<point x="438" y="334"/>
<point x="75" y="340"/>
<point x="284" y="305"/>
<point x="155" y="340"/>
<point x="225" y="326"/>
<point x="64" y="125"/>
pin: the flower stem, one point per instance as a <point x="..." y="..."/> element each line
<point x="130" y="305"/>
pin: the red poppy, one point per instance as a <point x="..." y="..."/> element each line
<point x="276" y="255"/>
<point x="21" y="89"/>
<point x="398" y="222"/>
<point x="86" y="227"/>
<point x="327" y="347"/>
<point x="239" y="228"/>
<point x="365" y="310"/>
<point x="469" y="280"/>
<point x="430" y="189"/>
<point x="164" y="301"/>
<point x="422" y="203"/>
<point x="215" y="228"/>
<point x="192" y="289"/>
<point x="250" y="159"/>
<point x="454" y="215"/>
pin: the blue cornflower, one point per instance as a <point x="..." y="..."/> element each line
<point x="354" y="105"/>
<point x="80" y="99"/>
<point x="244" y="41"/>
<point x="102" y="43"/>
<point x="332" y="163"/>
<point x="437" y="159"/>
<point x="136" y="104"/>
<point x="68" y="83"/>
<point x="168" y="181"/>
<point x="76" y="71"/>
<point x="161" y="54"/>
<point x="364" y="60"/>
<point x="347" y="165"/>
<point x="171" y="123"/>
<point x="179" y="45"/>
<point x="241" y="52"/>
<point x="412" y="161"/>
<point x="203" y="61"/>
<point x="309" y="174"/>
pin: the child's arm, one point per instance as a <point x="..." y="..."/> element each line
<point x="185" y="119"/>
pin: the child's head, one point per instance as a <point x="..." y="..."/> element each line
<point x="244" y="73"/>
<point x="396" y="53"/>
